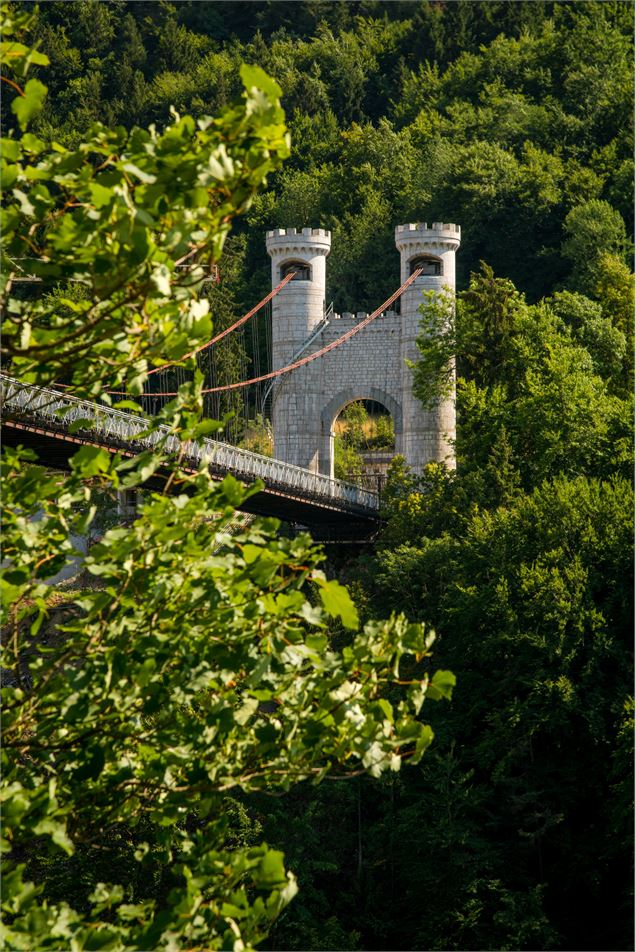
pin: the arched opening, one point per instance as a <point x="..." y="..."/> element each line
<point x="431" y="265"/>
<point x="377" y="402"/>
<point x="301" y="268"/>
<point x="363" y="443"/>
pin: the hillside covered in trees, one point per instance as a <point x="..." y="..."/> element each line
<point x="503" y="117"/>
<point x="514" y="120"/>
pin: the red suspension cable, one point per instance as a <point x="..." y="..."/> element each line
<point x="242" y="320"/>
<point x="303" y="360"/>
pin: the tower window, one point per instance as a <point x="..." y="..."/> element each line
<point x="301" y="268"/>
<point x="430" y="265"/>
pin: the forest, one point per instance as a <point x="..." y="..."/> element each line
<point x="140" y="820"/>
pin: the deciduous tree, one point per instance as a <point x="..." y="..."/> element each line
<point x="199" y="662"/>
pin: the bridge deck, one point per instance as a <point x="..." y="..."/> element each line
<point x="44" y="420"/>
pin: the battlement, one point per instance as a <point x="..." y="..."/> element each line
<point x="305" y="243"/>
<point x="436" y="228"/>
<point x="360" y="316"/>
<point x="439" y="238"/>
<point x="299" y="232"/>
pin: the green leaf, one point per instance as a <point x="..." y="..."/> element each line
<point x="83" y="423"/>
<point x="27" y="106"/>
<point x="61" y="839"/>
<point x="100" y="194"/>
<point x="90" y="461"/>
<point x="145" y="177"/>
<point x="33" y="144"/>
<point x="204" y="428"/>
<point x="246" y="711"/>
<point x="16" y="893"/>
<point x="338" y="603"/>
<point x="10" y="149"/>
<point x="441" y="686"/>
<point x="40" y="59"/>
<point x="271" y="871"/>
<point x="255" y="77"/>
<point x="316" y="642"/>
<point x="424" y="740"/>
<point x="312" y="614"/>
<point x="128" y="405"/>
<point x="160" y="279"/>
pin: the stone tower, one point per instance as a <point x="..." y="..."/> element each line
<point x="370" y="366"/>
<point x="296" y="312"/>
<point x="427" y="433"/>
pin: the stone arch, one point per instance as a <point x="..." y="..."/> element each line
<point x="336" y="404"/>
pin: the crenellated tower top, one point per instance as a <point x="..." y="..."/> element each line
<point x="423" y="244"/>
<point x="441" y="234"/>
<point x="307" y="242"/>
<point x="436" y="227"/>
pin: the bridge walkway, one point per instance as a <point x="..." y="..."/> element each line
<point x="53" y="424"/>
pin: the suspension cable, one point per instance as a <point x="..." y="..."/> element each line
<point x="239" y="323"/>
<point x="309" y="357"/>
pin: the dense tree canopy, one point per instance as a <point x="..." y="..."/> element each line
<point x="513" y="119"/>
<point x="191" y="662"/>
<point x="500" y="116"/>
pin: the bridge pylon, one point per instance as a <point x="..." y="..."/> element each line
<point x="356" y="357"/>
<point x="297" y="311"/>
<point x="427" y="434"/>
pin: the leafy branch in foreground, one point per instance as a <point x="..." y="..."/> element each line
<point x="201" y="663"/>
<point x="196" y="662"/>
<point x="116" y="216"/>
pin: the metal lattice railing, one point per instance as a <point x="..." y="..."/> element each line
<point x="58" y="412"/>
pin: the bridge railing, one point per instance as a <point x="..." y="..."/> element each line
<point x="59" y="412"/>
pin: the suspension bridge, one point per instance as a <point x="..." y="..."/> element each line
<point x="248" y="367"/>
<point x="55" y="424"/>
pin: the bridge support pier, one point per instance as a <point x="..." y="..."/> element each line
<point x="297" y="310"/>
<point x="372" y="365"/>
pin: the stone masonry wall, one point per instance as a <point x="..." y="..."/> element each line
<point x="372" y="365"/>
